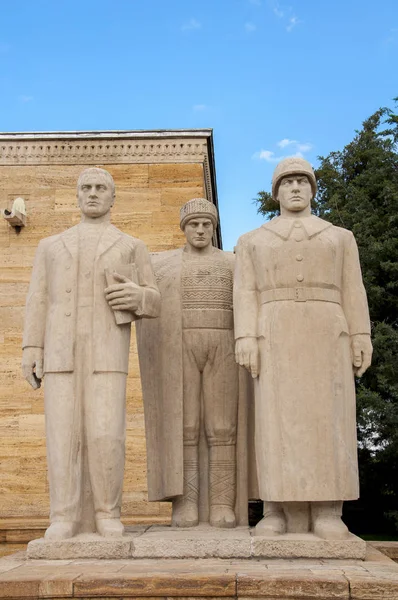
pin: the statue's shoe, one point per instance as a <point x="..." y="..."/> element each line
<point x="60" y="530"/>
<point x="110" y="528"/>
<point x="330" y="527"/>
<point x="222" y="516"/>
<point x="271" y="525"/>
<point x="184" y="514"/>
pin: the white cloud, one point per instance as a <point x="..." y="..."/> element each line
<point x="297" y="149"/>
<point x="286" y="142"/>
<point x="300" y="146"/>
<point x="266" y="155"/>
<point x="293" y="21"/>
<point x="304" y="147"/>
<point x="285" y="14"/>
<point x="250" y="27"/>
<point x="199" y="107"/>
<point x="270" y="157"/>
<point x="190" y="25"/>
<point x="25" y="99"/>
<point x="277" y="10"/>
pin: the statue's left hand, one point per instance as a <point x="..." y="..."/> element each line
<point x="125" y="295"/>
<point x="32" y="365"/>
<point x="361" y="348"/>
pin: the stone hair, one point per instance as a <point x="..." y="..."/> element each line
<point x="97" y="170"/>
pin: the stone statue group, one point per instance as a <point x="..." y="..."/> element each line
<point x="290" y="307"/>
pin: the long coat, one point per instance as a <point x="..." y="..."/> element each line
<point x="50" y="319"/>
<point x="160" y="352"/>
<point x="299" y="291"/>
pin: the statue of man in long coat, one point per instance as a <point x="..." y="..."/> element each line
<point x="302" y="329"/>
<point x="191" y="378"/>
<point x="88" y="284"/>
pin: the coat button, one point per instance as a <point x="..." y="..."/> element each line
<point x="297" y="224"/>
<point x="67" y="267"/>
<point x="68" y="314"/>
<point x="68" y="290"/>
<point x="299" y="257"/>
<point x="300" y="277"/>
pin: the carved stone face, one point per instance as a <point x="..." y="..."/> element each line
<point x="294" y="193"/>
<point x="95" y="195"/>
<point x="199" y="232"/>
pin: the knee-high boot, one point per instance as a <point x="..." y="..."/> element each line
<point x="222" y="484"/>
<point x="185" y="507"/>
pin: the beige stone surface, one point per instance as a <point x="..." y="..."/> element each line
<point x="196" y="542"/>
<point x="302" y="329"/>
<point x="82" y="546"/>
<point x="50" y="195"/>
<point x="376" y="578"/>
<point x="206" y="542"/>
<point x="307" y="546"/>
<point x="388" y="548"/>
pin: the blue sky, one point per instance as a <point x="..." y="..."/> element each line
<point x="271" y="78"/>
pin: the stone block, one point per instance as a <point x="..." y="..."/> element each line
<point x="364" y="588"/>
<point x="196" y="542"/>
<point x="15" y="585"/>
<point x="57" y="587"/>
<point x="389" y="549"/>
<point x="157" y="584"/>
<point x="292" y="586"/>
<point x="177" y="197"/>
<point x="176" y="175"/>
<point x="82" y="546"/>
<point x="307" y="546"/>
<point x="129" y="175"/>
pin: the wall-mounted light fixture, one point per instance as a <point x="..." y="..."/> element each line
<point x="17" y="215"/>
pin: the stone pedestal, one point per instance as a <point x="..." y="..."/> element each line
<point x="164" y="542"/>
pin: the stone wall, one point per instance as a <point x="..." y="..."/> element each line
<point x="149" y="191"/>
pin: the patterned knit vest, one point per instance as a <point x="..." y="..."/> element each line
<point x="206" y="291"/>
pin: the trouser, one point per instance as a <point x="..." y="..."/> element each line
<point x="209" y="367"/>
<point x="210" y="371"/>
<point x="85" y="429"/>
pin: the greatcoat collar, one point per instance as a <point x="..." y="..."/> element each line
<point x="283" y="226"/>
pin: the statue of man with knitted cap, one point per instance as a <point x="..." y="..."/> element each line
<point x="302" y="329"/>
<point x="190" y="384"/>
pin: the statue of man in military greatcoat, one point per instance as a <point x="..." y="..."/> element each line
<point x="302" y="329"/>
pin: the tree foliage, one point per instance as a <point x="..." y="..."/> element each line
<point x="358" y="190"/>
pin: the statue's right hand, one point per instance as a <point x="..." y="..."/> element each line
<point x="246" y="354"/>
<point x="32" y="366"/>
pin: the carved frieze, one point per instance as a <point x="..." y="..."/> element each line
<point x="37" y="152"/>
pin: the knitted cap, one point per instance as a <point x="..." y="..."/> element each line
<point x="293" y="166"/>
<point x="198" y="207"/>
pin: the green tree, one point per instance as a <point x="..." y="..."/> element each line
<point x="358" y="190"/>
